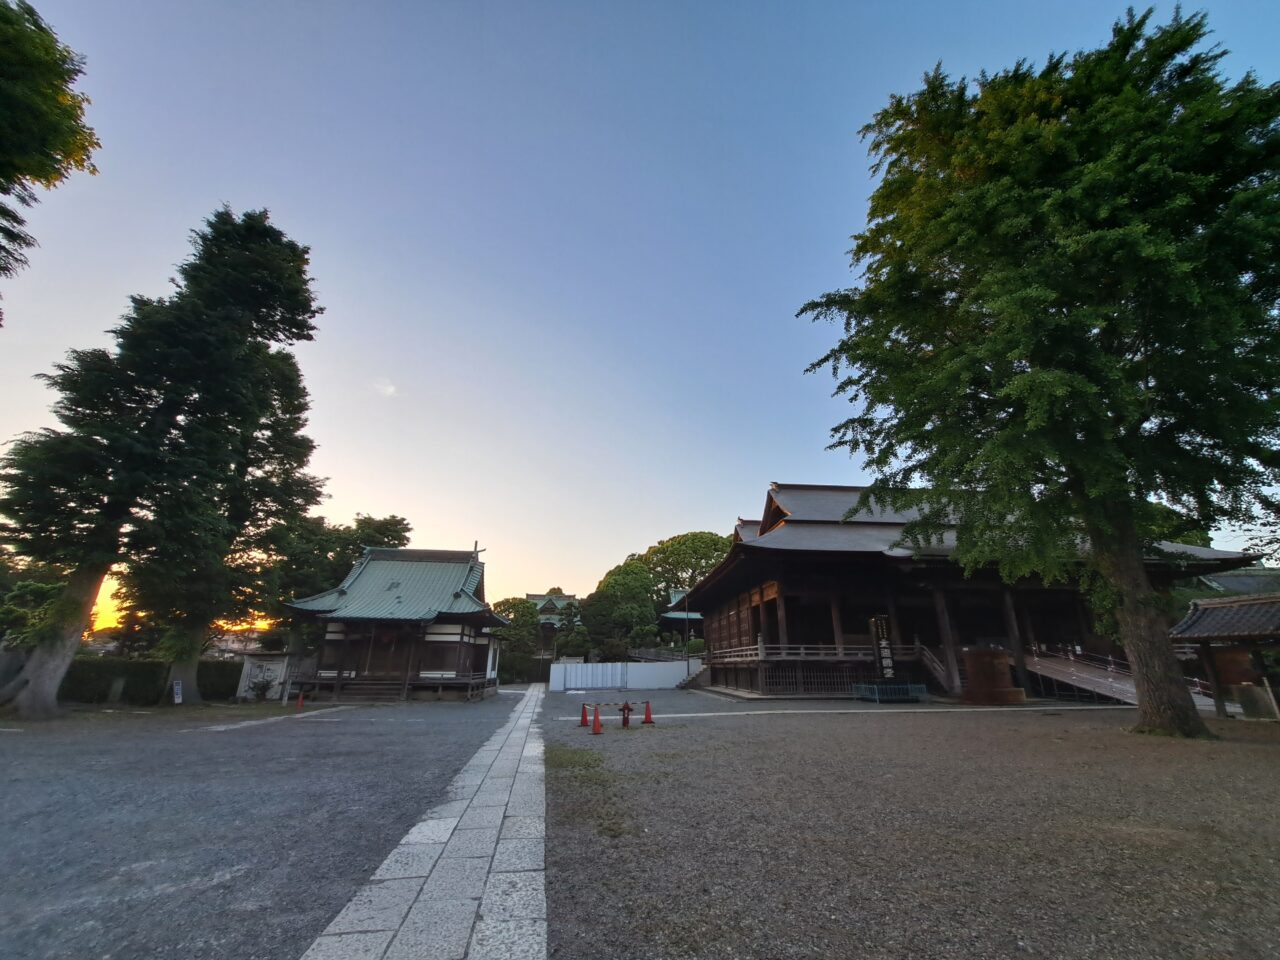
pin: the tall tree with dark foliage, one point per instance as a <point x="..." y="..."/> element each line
<point x="153" y="432"/>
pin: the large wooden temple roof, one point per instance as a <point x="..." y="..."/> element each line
<point x="800" y="518"/>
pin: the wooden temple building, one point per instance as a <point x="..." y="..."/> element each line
<point x="796" y="605"/>
<point x="404" y="624"/>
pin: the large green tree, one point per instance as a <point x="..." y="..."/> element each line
<point x="205" y="549"/>
<point x="621" y="608"/>
<point x="140" y="420"/>
<point x="521" y="634"/>
<point x="1067" y="309"/>
<point x="679" y="562"/>
<point x="43" y="134"/>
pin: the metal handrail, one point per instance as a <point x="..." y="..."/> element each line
<point x="930" y="660"/>
<point x="1121" y="668"/>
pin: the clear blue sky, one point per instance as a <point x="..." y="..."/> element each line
<point x="560" y="245"/>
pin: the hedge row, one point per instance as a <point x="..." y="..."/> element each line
<point x="89" y="680"/>
<point x="522" y="668"/>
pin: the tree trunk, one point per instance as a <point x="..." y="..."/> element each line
<point x="47" y="662"/>
<point x="186" y="666"/>
<point x="1164" y="700"/>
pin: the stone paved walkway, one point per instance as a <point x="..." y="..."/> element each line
<point x="466" y="881"/>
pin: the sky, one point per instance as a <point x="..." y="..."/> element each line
<point x="560" y="245"/>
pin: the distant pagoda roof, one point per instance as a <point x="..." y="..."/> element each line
<point x="419" y="585"/>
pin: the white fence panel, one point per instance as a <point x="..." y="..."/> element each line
<point x="622" y="676"/>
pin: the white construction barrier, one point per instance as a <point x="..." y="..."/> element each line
<point x="622" y="676"/>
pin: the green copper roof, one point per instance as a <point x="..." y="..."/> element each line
<point x="420" y="585"/>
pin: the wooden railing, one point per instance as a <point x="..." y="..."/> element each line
<point x="805" y="651"/>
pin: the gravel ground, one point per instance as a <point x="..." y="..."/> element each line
<point x="122" y="836"/>
<point x="1018" y="833"/>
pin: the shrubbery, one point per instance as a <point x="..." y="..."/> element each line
<point x="219" y="679"/>
<point x="89" y="680"/>
<point x="522" y="668"/>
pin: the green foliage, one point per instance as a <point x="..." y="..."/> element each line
<point x="43" y="136"/>
<point x="521" y="636"/>
<point x="25" y="612"/>
<point x="1068" y="303"/>
<point x="219" y="679"/>
<point x="679" y="562"/>
<point x="150" y="429"/>
<point x="137" y="636"/>
<point x="203" y="549"/>
<point x="575" y="642"/>
<point x="515" y="666"/>
<point x="621" y="608"/>
<point x="89" y="680"/>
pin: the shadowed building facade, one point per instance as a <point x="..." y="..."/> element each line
<point x="793" y="608"/>
<point x="404" y="624"/>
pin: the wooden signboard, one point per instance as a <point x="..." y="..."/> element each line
<point x="882" y="648"/>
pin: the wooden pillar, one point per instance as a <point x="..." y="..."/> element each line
<point x="782" y="618"/>
<point x="895" y="625"/>
<point x="342" y="661"/>
<point x="1211" y="667"/>
<point x="1015" y="640"/>
<point x="948" y="638"/>
<point x="1029" y="630"/>
<point x="412" y="646"/>
<point x="837" y="627"/>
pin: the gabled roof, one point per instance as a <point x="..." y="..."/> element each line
<point x="800" y="516"/>
<point x="810" y="518"/>
<point x="558" y="600"/>
<point x="387" y="584"/>
<point x="1255" y="617"/>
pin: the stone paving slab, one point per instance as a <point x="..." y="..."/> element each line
<point x="524" y="828"/>
<point x="472" y="843"/>
<point x="409" y="860"/>
<point x="481" y="852"/>
<point x="509" y="940"/>
<point x="350" y="946"/>
<point x="432" y="831"/>
<point x="452" y="879"/>
<point x="377" y="906"/>
<point x="481" y="817"/>
<point x="514" y="896"/>
<point x="513" y="855"/>
<point x="435" y="930"/>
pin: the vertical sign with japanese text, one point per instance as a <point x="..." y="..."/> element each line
<point x="882" y="648"/>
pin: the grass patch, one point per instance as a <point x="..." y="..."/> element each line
<point x="594" y="794"/>
<point x="558" y="757"/>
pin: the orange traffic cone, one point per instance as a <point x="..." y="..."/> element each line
<point x="596" y="726"/>
<point x="299" y="706"/>
<point x="585" y="722"/>
<point x="648" y="714"/>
